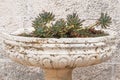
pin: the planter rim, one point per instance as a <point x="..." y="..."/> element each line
<point x="112" y="35"/>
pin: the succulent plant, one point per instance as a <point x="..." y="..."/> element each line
<point x="46" y="26"/>
<point x="42" y="19"/>
<point x="73" y="20"/>
<point x="60" y="23"/>
<point x="104" y="20"/>
<point x="47" y="16"/>
<point x="38" y="23"/>
<point x="40" y="32"/>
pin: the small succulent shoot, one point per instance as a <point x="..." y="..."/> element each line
<point x="73" y="20"/>
<point x="43" y="19"/>
<point x="104" y="21"/>
<point x="59" y="28"/>
<point x="47" y="16"/>
<point x="39" y="32"/>
<point x="60" y="23"/>
<point x="46" y="26"/>
<point x="38" y="23"/>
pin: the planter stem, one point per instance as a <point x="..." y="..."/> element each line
<point x="58" y="74"/>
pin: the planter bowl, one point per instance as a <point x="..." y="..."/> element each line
<point x="59" y="56"/>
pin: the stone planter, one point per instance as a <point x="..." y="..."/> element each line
<point x="58" y="57"/>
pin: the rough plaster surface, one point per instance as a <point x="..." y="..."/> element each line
<point x="16" y="14"/>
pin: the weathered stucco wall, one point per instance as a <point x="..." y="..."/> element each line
<point x="15" y="14"/>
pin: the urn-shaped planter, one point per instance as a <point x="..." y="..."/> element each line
<point x="58" y="57"/>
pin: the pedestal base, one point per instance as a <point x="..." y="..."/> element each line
<point x="58" y="74"/>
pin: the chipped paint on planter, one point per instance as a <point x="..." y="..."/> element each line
<point x="52" y="53"/>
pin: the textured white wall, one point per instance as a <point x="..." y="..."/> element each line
<point x="15" y="14"/>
